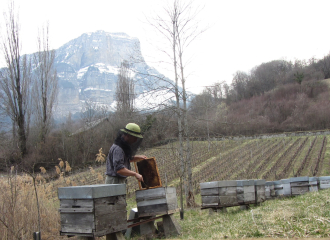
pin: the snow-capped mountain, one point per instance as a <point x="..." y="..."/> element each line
<point x="87" y="69"/>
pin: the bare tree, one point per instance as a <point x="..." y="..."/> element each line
<point x="45" y="83"/>
<point x="125" y="92"/>
<point x="179" y="28"/>
<point x="16" y="78"/>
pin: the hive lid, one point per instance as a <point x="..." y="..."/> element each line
<point x="241" y="183"/>
<point x="269" y="183"/>
<point x="91" y="191"/>
<point x="259" y="182"/>
<point x="324" y="178"/>
<point x="313" y="179"/>
<point x="299" y="179"/>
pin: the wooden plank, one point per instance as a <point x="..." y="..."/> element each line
<point x="299" y="184"/>
<point x="207" y="185"/>
<point x="210" y="200"/>
<point x="72" y="203"/>
<point x="152" y="202"/>
<point x="227" y="183"/>
<point x="299" y="190"/>
<point x="150" y="194"/>
<point x="151" y="210"/>
<point x="77" y="222"/>
<point x="76" y="210"/>
<point x="209" y="191"/>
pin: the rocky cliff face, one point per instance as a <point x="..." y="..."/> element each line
<point x="88" y="66"/>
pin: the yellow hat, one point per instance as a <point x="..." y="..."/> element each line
<point x="132" y="129"/>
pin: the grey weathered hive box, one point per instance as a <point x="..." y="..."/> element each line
<point x="282" y="188"/>
<point x="324" y="182"/>
<point x="260" y="190"/>
<point x="156" y="201"/>
<point x="313" y="184"/>
<point x="269" y="190"/>
<point x="210" y="194"/>
<point x="93" y="210"/>
<point x="245" y="192"/>
<point x="228" y="193"/>
<point x="299" y="185"/>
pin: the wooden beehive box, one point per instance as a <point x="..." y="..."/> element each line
<point x="149" y="171"/>
<point x="156" y="201"/>
<point x="260" y="190"/>
<point x="299" y="185"/>
<point x="282" y="188"/>
<point x="210" y="194"/>
<point x="313" y="184"/>
<point x="92" y="210"/>
<point x="245" y="192"/>
<point x="228" y="193"/>
<point x="269" y="190"/>
<point x="324" y="182"/>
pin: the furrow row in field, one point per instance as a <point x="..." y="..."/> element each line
<point x="267" y="160"/>
<point x="256" y="156"/>
<point x="289" y="163"/>
<point x="277" y="164"/>
<point x="307" y="157"/>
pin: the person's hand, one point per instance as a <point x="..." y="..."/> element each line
<point x="139" y="177"/>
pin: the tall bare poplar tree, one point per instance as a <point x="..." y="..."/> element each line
<point x="16" y="78"/>
<point x="125" y="92"/>
<point x="179" y="28"/>
<point x="45" y="83"/>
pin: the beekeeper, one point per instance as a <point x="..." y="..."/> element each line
<point x="121" y="153"/>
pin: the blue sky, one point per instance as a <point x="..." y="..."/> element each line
<point x="241" y="33"/>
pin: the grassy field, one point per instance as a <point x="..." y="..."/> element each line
<point x="295" y="217"/>
<point x="275" y="158"/>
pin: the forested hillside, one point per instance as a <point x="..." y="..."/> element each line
<point x="274" y="97"/>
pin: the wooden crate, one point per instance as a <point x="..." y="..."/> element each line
<point x="324" y="182"/>
<point x="92" y="210"/>
<point x="299" y="185"/>
<point x="156" y="201"/>
<point x="149" y="171"/>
